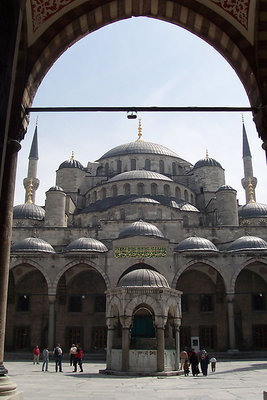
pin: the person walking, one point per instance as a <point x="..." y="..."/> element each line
<point x="193" y="359"/>
<point x="36" y="354"/>
<point x="78" y="359"/>
<point x="45" y="359"/>
<point x="186" y="368"/>
<point x="204" y="362"/>
<point x="213" y="363"/>
<point x="183" y="358"/>
<point x="73" y="351"/>
<point x="58" y="358"/>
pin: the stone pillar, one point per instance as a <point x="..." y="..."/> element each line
<point x="51" y="322"/>
<point x="177" y="345"/>
<point x="125" y="349"/>
<point x="160" y="348"/>
<point x="110" y="335"/>
<point x="231" y="321"/>
<point x="7" y="388"/>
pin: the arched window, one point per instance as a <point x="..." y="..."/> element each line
<point x="154" y="189"/>
<point x="133" y="164"/>
<point x="167" y="190"/>
<point x="119" y="166"/>
<point x="161" y="166"/>
<point x="186" y="195"/>
<point x="94" y="196"/>
<point x="140" y="189"/>
<point x="174" y="168"/>
<point x="106" y="169"/>
<point x="177" y="192"/>
<point x="159" y="213"/>
<point x="100" y="171"/>
<point x="147" y="165"/>
<point x="192" y="199"/>
<point x="127" y="189"/>
<point x="114" y="191"/>
<point x="103" y="193"/>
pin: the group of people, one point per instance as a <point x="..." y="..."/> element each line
<point x="75" y="353"/>
<point x="194" y="359"/>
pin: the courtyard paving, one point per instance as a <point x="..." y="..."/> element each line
<point x="246" y="380"/>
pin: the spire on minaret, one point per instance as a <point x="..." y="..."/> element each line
<point x="31" y="183"/>
<point x="139" y="131"/>
<point x="249" y="182"/>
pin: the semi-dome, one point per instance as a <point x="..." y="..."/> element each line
<point x="71" y="164"/>
<point x="55" y="189"/>
<point x="225" y="187"/>
<point x="196" y="243"/>
<point x="139" y="147"/>
<point x="140" y="174"/>
<point x="143" y="277"/>
<point x="141" y="228"/>
<point x="32" y="244"/>
<point x="87" y="245"/>
<point x="28" y="211"/>
<point x="253" y="210"/>
<point x="248" y="243"/>
<point x="140" y="199"/>
<point x="207" y="162"/>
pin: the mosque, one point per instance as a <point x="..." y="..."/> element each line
<point x="139" y="252"/>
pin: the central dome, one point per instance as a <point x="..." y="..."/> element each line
<point x="139" y="147"/>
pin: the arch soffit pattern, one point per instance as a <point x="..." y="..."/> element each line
<point x="113" y="11"/>
<point x="206" y="263"/>
<point x="20" y="261"/>
<point x="144" y="299"/>
<point x="242" y="267"/>
<point x="84" y="262"/>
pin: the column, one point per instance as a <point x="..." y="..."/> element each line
<point x="177" y="346"/>
<point x="125" y="349"/>
<point x="231" y="321"/>
<point x="110" y="336"/>
<point x="51" y="322"/>
<point x="6" y="214"/>
<point x="160" y="348"/>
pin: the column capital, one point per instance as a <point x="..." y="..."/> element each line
<point x="126" y="321"/>
<point x="230" y="297"/>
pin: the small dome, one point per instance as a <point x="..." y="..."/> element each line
<point x="253" y="210"/>
<point x="71" y="164"/>
<point x="32" y="244"/>
<point x="56" y="189"/>
<point x="86" y="244"/>
<point x="196" y="244"/>
<point x="248" y="243"/>
<point x="28" y="211"/>
<point x="207" y="162"/>
<point x="225" y="187"/>
<point x="141" y="228"/>
<point x="139" y="174"/>
<point x="140" y="200"/>
<point x="139" y="147"/>
<point x="188" y="207"/>
<point x="143" y="277"/>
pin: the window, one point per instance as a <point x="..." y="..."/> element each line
<point x="119" y="166"/>
<point x="75" y="304"/>
<point x="167" y="190"/>
<point x="207" y="337"/>
<point x="22" y="337"/>
<point x="154" y="189"/>
<point x="106" y="169"/>
<point x="99" y="338"/>
<point x="161" y="166"/>
<point x="74" y="335"/>
<point x="100" y="303"/>
<point x="148" y="165"/>
<point x="192" y="199"/>
<point x="140" y="189"/>
<point x="177" y="192"/>
<point x="174" y="168"/>
<point x="185" y="337"/>
<point x="258" y="302"/>
<point x="259" y="334"/>
<point x="133" y="164"/>
<point x="143" y="326"/>
<point x="206" y="303"/>
<point x="23" y="303"/>
<point x="127" y="189"/>
<point x="186" y="195"/>
<point x="94" y="196"/>
<point x="114" y="190"/>
<point x="103" y="193"/>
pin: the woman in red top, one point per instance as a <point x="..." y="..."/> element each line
<point x="36" y="354"/>
<point x="78" y="359"/>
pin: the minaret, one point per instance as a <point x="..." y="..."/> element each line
<point x="248" y="170"/>
<point x="32" y="169"/>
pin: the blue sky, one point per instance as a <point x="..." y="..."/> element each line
<point x="141" y="62"/>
